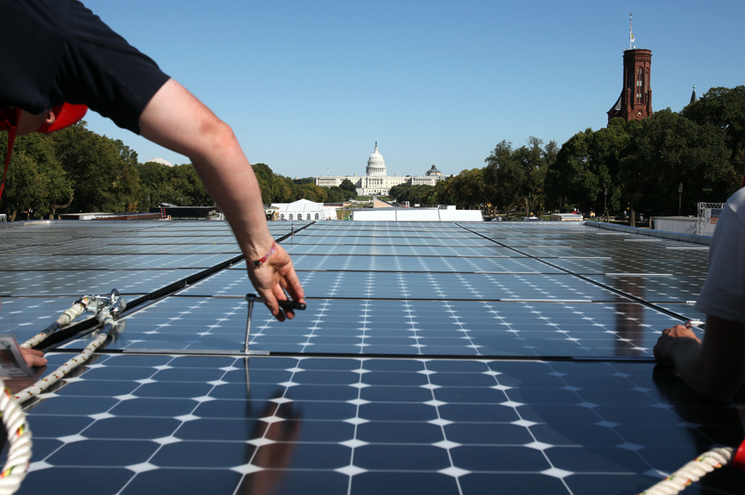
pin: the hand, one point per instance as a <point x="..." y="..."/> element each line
<point x="680" y="331"/>
<point x="663" y="348"/>
<point x="274" y="280"/>
<point x="33" y="357"/>
<point x="714" y="367"/>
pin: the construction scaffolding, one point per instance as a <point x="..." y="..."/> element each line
<point x="708" y="215"/>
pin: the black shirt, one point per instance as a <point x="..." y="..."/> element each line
<point x="56" y="51"/>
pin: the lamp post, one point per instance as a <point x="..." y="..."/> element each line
<point x="680" y="196"/>
<point x="605" y="203"/>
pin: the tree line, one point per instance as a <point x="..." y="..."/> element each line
<point x="76" y="170"/>
<point x="663" y="165"/>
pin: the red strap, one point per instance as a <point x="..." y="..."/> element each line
<point x="738" y="459"/>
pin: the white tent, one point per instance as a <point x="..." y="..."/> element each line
<point x="303" y="209"/>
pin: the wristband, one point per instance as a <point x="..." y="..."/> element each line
<point x="263" y="259"/>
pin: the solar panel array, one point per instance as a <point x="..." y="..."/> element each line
<point x="434" y="358"/>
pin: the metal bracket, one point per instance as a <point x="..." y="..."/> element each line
<point x="251" y="298"/>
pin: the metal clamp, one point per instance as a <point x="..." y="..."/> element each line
<point x="113" y="302"/>
<point x="251" y="298"/>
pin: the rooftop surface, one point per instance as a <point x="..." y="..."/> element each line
<point x="433" y="358"/>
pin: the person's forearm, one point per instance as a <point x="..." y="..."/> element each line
<point x="230" y="180"/>
<point x="175" y="119"/>
<point x="685" y="355"/>
<point x="713" y="368"/>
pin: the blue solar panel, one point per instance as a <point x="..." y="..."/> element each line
<point x="432" y="358"/>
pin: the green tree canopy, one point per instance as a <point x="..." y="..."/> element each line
<point x="36" y="182"/>
<point x="265" y="176"/>
<point x="667" y="150"/>
<point x="413" y="194"/>
<point x="102" y="180"/>
<point x="725" y="109"/>
<point x="586" y="166"/>
<point x="515" y="177"/>
<point x="347" y="185"/>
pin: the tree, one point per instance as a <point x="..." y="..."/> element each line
<point x="265" y="176"/>
<point x="101" y="178"/>
<point x="569" y="179"/>
<point x="336" y="194"/>
<point x="586" y="166"/>
<point x="419" y="194"/>
<point x="348" y="188"/>
<point x="442" y="193"/>
<point x="187" y="187"/>
<point x="155" y="185"/>
<point x="312" y="192"/>
<point x="305" y="180"/>
<point x="725" y="109"/>
<point x="36" y="182"/>
<point x="502" y="174"/>
<point x="666" y="150"/>
<point x="400" y="193"/>
<point x="284" y="189"/>
<point x="347" y="185"/>
<point x="515" y="178"/>
<point x="469" y="189"/>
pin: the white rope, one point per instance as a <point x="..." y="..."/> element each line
<point x="13" y="417"/>
<point x="113" y="301"/>
<point x="108" y="324"/>
<point x="693" y="471"/>
<point x="70" y="314"/>
<point x="19" y="438"/>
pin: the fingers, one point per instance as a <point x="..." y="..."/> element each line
<point x="279" y="295"/>
<point x="291" y="284"/>
<point x="293" y="287"/>
<point x="680" y="331"/>
<point x="33" y="357"/>
<point x="670" y="335"/>
<point x="272" y="303"/>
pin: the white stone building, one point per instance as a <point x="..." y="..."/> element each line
<point x="376" y="181"/>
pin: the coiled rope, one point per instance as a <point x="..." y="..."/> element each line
<point x="693" y="471"/>
<point x="19" y="438"/>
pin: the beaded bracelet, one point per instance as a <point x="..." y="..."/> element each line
<point x="263" y="259"/>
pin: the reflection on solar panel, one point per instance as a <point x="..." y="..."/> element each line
<point x="433" y="358"/>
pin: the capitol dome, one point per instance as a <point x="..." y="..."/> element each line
<point x="376" y="164"/>
<point x="160" y="161"/>
<point x="432" y="172"/>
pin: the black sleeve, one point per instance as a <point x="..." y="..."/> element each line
<point x="102" y="70"/>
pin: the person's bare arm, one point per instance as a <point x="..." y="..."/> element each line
<point x="177" y="120"/>
<point x="715" y="368"/>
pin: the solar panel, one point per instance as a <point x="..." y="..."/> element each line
<point x="433" y="358"/>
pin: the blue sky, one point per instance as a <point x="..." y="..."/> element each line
<point x="310" y="86"/>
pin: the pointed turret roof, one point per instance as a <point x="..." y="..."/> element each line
<point x="694" y="98"/>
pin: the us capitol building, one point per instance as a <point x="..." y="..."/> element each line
<point x="376" y="181"/>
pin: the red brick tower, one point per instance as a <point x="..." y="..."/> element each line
<point x="635" y="101"/>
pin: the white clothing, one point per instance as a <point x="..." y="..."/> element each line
<point x="723" y="294"/>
